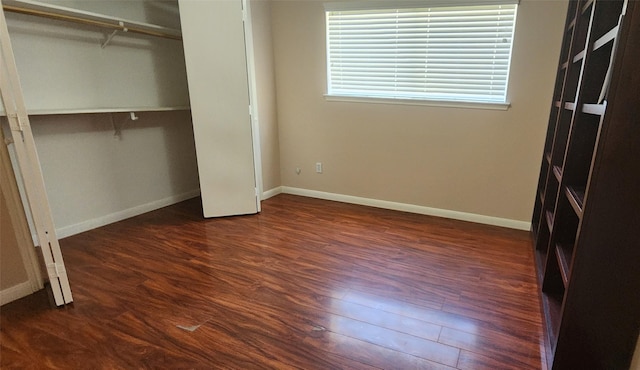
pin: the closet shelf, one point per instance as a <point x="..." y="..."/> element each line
<point x="50" y="112"/>
<point x="88" y="18"/>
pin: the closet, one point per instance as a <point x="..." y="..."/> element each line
<point x="65" y="65"/>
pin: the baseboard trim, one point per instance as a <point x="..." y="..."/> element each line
<point x="15" y="292"/>
<point x="412" y="208"/>
<point x="271" y="192"/>
<point x="87" y="225"/>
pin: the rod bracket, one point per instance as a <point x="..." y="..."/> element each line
<point x="109" y="38"/>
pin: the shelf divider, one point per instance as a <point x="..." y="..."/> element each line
<point x="586" y="5"/>
<point x="552" y="305"/>
<point x="596" y="109"/>
<point x="606" y="38"/>
<point x="563" y="254"/>
<point x="578" y="57"/>
<point x="576" y="198"/>
<point x="549" y="217"/>
<point x="557" y="171"/>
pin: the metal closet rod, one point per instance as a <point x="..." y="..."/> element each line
<point x="120" y="26"/>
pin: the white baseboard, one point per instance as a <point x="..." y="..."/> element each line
<point x="87" y="225"/>
<point x="271" y="193"/>
<point x="15" y="292"/>
<point x="463" y="216"/>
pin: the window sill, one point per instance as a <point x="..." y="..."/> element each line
<point x="430" y="103"/>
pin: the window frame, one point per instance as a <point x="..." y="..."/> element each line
<point x="391" y="4"/>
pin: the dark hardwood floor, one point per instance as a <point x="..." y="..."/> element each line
<point x="307" y="283"/>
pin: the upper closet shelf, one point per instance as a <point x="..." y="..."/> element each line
<point x="80" y="16"/>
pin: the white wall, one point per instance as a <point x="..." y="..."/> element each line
<point x="93" y="177"/>
<point x="266" y="93"/>
<point x="473" y="161"/>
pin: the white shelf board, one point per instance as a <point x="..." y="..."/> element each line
<point x="49" y="112"/>
<point x="99" y="20"/>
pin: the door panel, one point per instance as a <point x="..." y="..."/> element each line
<point x="215" y="54"/>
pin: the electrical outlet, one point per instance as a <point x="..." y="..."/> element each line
<point x="319" y="167"/>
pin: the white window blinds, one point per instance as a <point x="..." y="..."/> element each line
<point x="459" y="53"/>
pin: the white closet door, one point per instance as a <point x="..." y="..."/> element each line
<point x="215" y="53"/>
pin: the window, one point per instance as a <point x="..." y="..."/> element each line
<point x="444" y="53"/>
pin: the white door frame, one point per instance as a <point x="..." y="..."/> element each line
<point x="253" y="99"/>
<point x="29" y="166"/>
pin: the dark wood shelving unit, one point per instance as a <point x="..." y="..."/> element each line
<point x="587" y="212"/>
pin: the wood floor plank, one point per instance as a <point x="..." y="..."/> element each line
<point x="381" y="357"/>
<point x="307" y="284"/>
<point x="391" y="339"/>
<point x="505" y="317"/>
<point x="476" y="361"/>
<point x="387" y="320"/>
<point x="439" y="317"/>
<point x="494" y="346"/>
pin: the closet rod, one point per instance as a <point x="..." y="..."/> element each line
<point x="68" y="15"/>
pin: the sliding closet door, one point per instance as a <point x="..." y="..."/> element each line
<point x="215" y="53"/>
